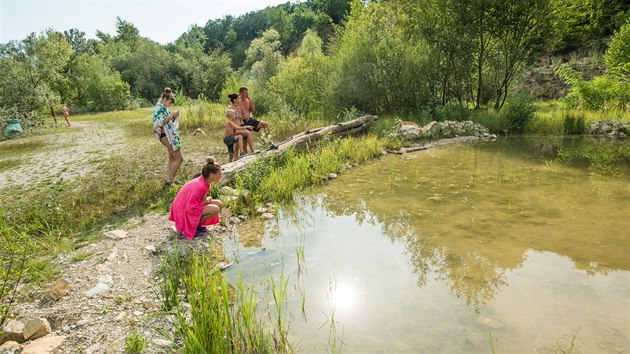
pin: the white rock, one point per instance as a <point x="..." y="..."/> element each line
<point x="13" y="331"/>
<point x="138" y="313"/>
<point x="228" y="190"/>
<point x="261" y="210"/>
<point x="105" y="278"/>
<point x="410" y="131"/>
<point x="163" y="343"/>
<point x="98" y="289"/>
<point x="112" y="256"/>
<point x="120" y="317"/>
<point x="115" y="235"/>
<point x="10" y="347"/>
<point x="83" y="322"/>
<point x="36" y="328"/>
<point x="235" y="220"/>
<point x="93" y="349"/>
<point x="151" y="248"/>
<point x="332" y="176"/>
<point x="267" y="216"/>
<point x="432" y="129"/>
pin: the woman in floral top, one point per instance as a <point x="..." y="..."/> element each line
<point x="165" y="128"/>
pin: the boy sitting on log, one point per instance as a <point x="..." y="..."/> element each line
<point x="234" y="135"/>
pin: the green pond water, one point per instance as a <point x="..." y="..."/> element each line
<point x="434" y="251"/>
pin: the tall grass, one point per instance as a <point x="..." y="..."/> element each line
<point x="219" y="320"/>
<point x="550" y="117"/>
<point x="279" y="179"/>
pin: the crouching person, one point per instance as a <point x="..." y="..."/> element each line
<point x="192" y="209"/>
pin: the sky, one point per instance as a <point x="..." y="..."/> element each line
<point x="161" y="21"/>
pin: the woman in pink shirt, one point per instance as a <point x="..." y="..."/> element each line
<point x="192" y="209"/>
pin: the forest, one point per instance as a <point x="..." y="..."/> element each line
<point x="316" y="59"/>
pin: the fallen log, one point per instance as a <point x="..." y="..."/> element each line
<point x="298" y="142"/>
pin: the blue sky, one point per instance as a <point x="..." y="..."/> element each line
<point x="162" y="21"/>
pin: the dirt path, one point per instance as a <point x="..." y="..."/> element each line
<point x="131" y="302"/>
<point x="65" y="155"/>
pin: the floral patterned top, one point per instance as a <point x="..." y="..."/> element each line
<point x="171" y="129"/>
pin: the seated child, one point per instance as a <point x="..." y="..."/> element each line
<point x="234" y="135"/>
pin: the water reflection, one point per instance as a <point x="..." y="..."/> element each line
<point x="470" y="213"/>
<point x="432" y="251"/>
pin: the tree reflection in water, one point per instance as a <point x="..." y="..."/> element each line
<point x="469" y="214"/>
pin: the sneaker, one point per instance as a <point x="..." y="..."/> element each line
<point x="273" y="147"/>
<point x="256" y="152"/>
<point x="242" y="154"/>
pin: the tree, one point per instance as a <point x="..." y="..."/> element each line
<point x="618" y="54"/>
<point x="31" y="66"/>
<point x="303" y="82"/>
<point x="263" y="57"/>
<point x="516" y="30"/>
<point x="100" y="87"/>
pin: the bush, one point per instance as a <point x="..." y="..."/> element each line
<point x="518" y="112"/>
<point x="495" y="121"/>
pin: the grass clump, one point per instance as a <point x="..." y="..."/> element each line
<point x="280" y="178"/>
<point x="220" y="319"/>
<point x="135" y="343"/>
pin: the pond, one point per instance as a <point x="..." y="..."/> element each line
<point x="523" y="243"/>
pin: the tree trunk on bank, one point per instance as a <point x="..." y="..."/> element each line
<point x="298" y="142"/>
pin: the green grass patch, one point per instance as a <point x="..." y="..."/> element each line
<point x="551" y="116"/>
<point x="9" y="164"/>
<point x="221" y="319"/>
<point x="81" y="256"/>
<point x="19" y="146"/>
<point x="279" y="179"/>
<point x="114" y="116"/>
<point x="135" y="343"/>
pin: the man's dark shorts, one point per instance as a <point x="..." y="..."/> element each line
<point x="252" y="122"/>
<point x="230" y="141"/>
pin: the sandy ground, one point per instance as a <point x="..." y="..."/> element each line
<point x="64" y="155"/>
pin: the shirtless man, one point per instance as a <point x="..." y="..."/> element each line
<point x="234" y="135"/>
<point x="247" y="108"/>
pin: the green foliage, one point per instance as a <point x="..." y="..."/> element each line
<point x="220" y="321"/>
<point x="263" y="57"/>
<point x="135" y="343"/>
<point x="30" y="68"/>
<point x="518" y="112"/>
<point x="496" y="122"/>
<point x="377" y="68"/>
<point x="279" y="179"/>
<point x="602" y="92"/>
<point x="15" y="250"/>
<point x="101" y="88"/>
<point x="574" y="124"/>
<point x="303" y="83"/>
<point x="618" y="53"/>
<point x="578" y="24"/>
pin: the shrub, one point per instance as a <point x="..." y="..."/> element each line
<point x="518" y="112"/>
